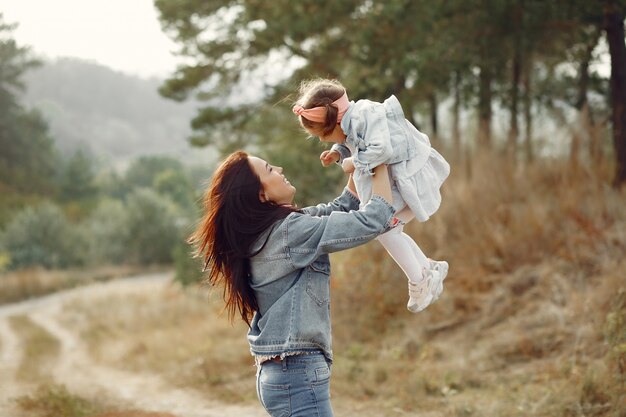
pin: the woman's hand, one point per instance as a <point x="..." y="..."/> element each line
<point x="347" y="165"/>
<point x="329" y="157"/>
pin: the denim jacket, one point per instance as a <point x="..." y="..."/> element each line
<point x="290" y="275"/>
<point x="379" y="133"/>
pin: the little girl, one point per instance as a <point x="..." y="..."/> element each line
<point x="366" y="134"/>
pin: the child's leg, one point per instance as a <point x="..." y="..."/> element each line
<point x="406" y="215"/>
<point x="405" y="252"/>
<point x="425" y="284"/>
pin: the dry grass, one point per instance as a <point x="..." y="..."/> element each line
<point x="40" y="349"/>
<point x="35" y="282"/>
<point x="532" y="321"/>
<point x="56" y="401"/>
<point x="537" y="260"/>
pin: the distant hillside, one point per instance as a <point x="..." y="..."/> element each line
<point x="110" y="114"/>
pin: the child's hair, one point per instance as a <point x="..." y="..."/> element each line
<point x="320" y="92"/>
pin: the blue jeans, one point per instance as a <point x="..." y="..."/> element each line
<point x="297" y="386"/>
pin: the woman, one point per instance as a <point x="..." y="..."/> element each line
<point x="272" y="259"/>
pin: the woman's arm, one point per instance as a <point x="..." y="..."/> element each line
<point x="307" y="237"/>
<point x="347" y="201"/>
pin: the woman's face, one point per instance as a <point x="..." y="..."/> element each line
<point x="276" y="188"/>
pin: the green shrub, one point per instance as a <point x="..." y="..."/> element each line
<point x="42" y="236"/>
<point x="188" y="268"/>
<point x="154" y="226"/>
<point x="107" y="233"/>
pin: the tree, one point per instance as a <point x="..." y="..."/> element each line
<point x="77" y="178"/>
<point x="144" y="170"/>
<point x="108" y="233"/>
<point x="153" y="227"/>
<point x="481" y="52"/>
<point x="614" y="14"/>
<point x="27" y="154"/>
<point x="15" y="60"/>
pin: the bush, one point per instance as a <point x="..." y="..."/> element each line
<point x="42" y="236"/>
<point x="188" y="268"/>
<point x="107" y="230"/>
<point x="177" y="186"/>
<point x="153" y="226"/>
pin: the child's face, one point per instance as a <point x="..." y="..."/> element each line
<point x="336" y="136"/>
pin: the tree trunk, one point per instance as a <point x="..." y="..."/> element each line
<point x="456" y="116"/>
<point x="582" y="104"/>
<point x="411" y="115"/>
<point x="614" y="26"/>
<point x="434" y="122"/>
<point x="514" y="129"/>
<point x="528" y="116"/>
<point x="515" y="79"/>
<point x="484" y="109"/>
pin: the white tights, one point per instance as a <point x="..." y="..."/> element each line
<point x="404" y="250"/>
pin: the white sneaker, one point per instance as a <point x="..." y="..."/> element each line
<point x="442" y="268"/>
<point x="422" y="294"/>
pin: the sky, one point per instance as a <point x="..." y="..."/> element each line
<point x="122" y="34"/>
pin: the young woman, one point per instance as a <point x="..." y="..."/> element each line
<point x="272" y="259"/>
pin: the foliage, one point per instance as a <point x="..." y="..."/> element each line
<point x="153" y="225"/>
<point x="188" y="270"/>
<point x="141" y="226"/>
<point x="15" y="60"/>
<point x="107" y="233"/>
<point x="41" y="235"/>
<point x="176" y="185"/>
<point x="489" y="56"/>
<point x="143" y="170"/>
<point x="27" y="157"/>
<point x="77" y="178"/>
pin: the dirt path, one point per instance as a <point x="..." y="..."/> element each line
<point x="75" y="369"/>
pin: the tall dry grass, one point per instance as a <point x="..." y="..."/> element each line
<point x="537" y="268"/>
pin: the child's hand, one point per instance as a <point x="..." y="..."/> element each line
<point x="329" y="157"/>
<point x="347" y="165"/>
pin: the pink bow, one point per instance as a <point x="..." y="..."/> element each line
<point x="318" y="114"/>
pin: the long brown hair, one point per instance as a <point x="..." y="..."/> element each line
<point x="320" y="92"/>
<point x="234" y="218"/>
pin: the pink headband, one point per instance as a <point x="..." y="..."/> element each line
<point x="318" y="114"/>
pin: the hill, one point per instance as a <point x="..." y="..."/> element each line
<point x="111" y="115"/>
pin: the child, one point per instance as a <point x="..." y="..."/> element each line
<point x="366" y="134"/>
